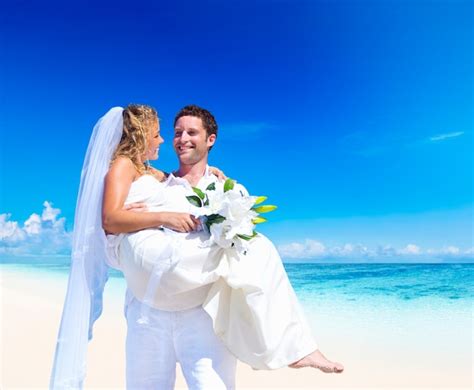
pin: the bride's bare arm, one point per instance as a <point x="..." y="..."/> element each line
<point x="117" y="220"/>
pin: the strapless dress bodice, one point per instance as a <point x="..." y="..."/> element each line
<point x="157" y="195"/>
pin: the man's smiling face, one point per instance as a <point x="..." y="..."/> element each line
<point x="191" y="141"/>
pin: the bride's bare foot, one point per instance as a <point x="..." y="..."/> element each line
<point x="317" y="360"/>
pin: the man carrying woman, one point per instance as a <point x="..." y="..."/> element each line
<point x="185" y="303"/>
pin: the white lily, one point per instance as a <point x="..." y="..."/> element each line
<point x="231" y="216"/>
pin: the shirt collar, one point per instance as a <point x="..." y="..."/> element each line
<point x="206" y="179"/>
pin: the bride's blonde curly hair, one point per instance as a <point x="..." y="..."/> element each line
<point x="137" y="125"/>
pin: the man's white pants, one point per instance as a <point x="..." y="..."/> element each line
<point x="187" y="337"/>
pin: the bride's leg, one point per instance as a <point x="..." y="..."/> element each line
<point x="315" y="359"/>
<point x="257" y="314"/>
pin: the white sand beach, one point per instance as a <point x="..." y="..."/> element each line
<point x="417" y="349"/>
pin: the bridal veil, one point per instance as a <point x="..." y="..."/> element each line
<point x="90" y="259"/>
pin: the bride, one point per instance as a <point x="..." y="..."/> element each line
<point x="188" y="303"/>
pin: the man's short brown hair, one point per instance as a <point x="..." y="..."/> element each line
<point x="208" y="120"/>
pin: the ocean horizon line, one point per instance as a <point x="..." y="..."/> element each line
<point x="61" y="259"/>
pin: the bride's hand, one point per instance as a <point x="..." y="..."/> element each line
<point x="217" y="172"/>
<point x="139" y="207"/>
<point x="181" y="222"/>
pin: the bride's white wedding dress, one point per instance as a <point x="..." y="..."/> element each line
<point x="254" y="309"/>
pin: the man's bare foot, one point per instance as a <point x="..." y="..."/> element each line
<point x="317" y="360"/>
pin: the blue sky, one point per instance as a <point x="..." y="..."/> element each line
<point x="354" y="117"/>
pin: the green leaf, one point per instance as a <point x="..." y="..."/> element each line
<point x="247" y="237"/>
<point x="228" y="185"/>
<point x="215" y="218"/>
<point x="264" y="209"/>
<point x="211" y="187"/>
<point x="212" y="219"/>
<point x="199" y="193"/>
<point x="260" y="199"/>
<point x="194" y="200"/>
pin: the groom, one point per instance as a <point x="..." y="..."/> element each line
<point x="195" y="132"/>
<point x="182" y="336"/>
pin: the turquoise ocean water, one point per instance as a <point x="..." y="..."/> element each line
<point x="342" y="282"/>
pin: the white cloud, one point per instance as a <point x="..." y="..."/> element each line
<point x="441" y="137"/>
<point x="9" y="230"/>
<point x="350" y="250"/>
<point x="33" y="224"/>
<point x="411" y="249"/>
<point x="49" y="213"/>
<point x="385" y="251"/>
<point x="469" y="251"/>
<point x="450" y="250"/>
<point x="45" y="234"/>
<point x="312" y="249"/>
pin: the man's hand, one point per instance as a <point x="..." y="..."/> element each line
<point x="217" y="172"/>
<point x="139" y="207"/>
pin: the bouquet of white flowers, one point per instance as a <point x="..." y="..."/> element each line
<point x="229" y="214"/>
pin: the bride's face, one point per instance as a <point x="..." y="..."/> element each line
<point x="154" y="141"/>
